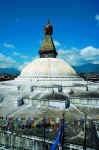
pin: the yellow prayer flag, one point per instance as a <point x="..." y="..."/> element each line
<point x="52" y="123"/>
<point x="40" y="120"/>
<point x="84" y="128"/>
<point x="67" y="121"/>
<point x="78" y="123"/>
<point x="15" y="126"/>
<point x="34" y="125"/>
<point x="26" y="118"/>
<point x="3" y="118"/>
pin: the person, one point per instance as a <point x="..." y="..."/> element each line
<point x="67" y="103"/>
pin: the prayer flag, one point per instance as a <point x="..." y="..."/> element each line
<point x="26" y="118"/>
<point x="75" y="122"/>
<point x="34" y="125"/>
<point x="22" y="118"/>
<point x="54" y="129"/>
<point x="40" y="120"/>
<point x="10" y="118"/>
<point x="81" y="121"/>
<point x="17" y="118"/>
<point x="3" y="118"/>
<point x="15" y="125"/>
<point x="6" y="118"/>
<point x="78" y="123"/>
<point x="29" y="118"/>
<point x="18" y="125"/>
<point x="67" y="121"/>
<point x="52" y="123"/>
<point x="49" y="118"/>
<point x="34" y="118"/>
<point x="84" y="128"/>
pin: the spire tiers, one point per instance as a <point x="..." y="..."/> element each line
<point x="48" y="30"/>
<point x="48" y="48"/>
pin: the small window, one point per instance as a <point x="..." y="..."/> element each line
<point x="31" y="89"/>
<point x="60" y="89"/>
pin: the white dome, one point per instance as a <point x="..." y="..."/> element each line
<point x="51" y="67"/>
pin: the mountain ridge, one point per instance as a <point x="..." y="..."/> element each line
<point x="85" y="68"/>
<point x="9" y="71"/>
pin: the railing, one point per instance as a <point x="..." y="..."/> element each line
<point x="34" y="142"/>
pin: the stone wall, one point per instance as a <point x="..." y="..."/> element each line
<point x="85" y="101"/>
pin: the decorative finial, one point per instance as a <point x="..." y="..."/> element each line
<point x="48" y="21"/>
<point x="48" y="30"/>
<point x="48" y="48"/>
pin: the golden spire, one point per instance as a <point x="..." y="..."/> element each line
<point x="48" y="48"/>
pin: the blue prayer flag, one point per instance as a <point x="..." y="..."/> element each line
<point x="29" y="118"/>
<point x="18" y="125"/>
<point x="17" y="118"/>
<point x="6" y="118"/>
<point x="81" y="121"/>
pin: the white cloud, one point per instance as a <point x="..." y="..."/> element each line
<point x="21" y="56"/>
<point x="71" y="56"/>
<point x="96" y="62"/>
<point x="61" y="51"/>
<point x="6" y="59"/>
<point x="78" y="57"/>
<point x="16" y="53"/>
<point x="24" y="57"/>
<point x="7" y="45"/>
<point x="57" y="43"/>
<point x="90" y="53"/>
<point x="7" y="62"/>
<point x="97" y="17"/>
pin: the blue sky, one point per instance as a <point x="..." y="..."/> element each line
<point x="75" y="23"/>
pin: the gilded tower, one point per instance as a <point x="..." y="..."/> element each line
<point x="48" y="48"/>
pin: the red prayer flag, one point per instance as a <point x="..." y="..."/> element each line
<point x="57" y="125"/>
<point x="10" y="118"/>
<point x="34" y="118"/>
<point x="49" y="118"/>
<point x="75" y="121"/>
<point x="22" y="118"/>
<point x="55" y="129"/>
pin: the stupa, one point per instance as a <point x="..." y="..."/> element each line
<point x="48" y="80"/>
<point x="49" y="74"/>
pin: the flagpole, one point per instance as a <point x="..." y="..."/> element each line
<point x="63" y="133"/>
<point x="44" y="134"/>
<point x="84" y="147"/>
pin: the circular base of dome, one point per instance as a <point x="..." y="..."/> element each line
<point x="48" y="67"/>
